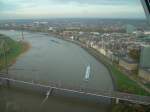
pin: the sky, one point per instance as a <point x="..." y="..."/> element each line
<point x="28" y="9"/>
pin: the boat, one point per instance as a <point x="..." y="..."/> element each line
<point x="87" y="73"/>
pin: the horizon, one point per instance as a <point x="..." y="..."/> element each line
<point x="49" y="9"/>
<point x="36" y="19"/>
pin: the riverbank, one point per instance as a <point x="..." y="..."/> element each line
<point x="121" y="82"/>
<point x="25" y="46"/>
<point x="13" y="50"/>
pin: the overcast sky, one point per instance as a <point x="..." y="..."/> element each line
<point x="23" y="9"/>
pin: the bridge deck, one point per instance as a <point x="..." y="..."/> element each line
<point x="107" y="94"/>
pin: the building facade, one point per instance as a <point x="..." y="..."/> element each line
<point x="144" y="70"/>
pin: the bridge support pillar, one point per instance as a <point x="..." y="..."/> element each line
<point x="117" y="100"/>
<point x="51" y="90"/>
<point x="8" y="83"/>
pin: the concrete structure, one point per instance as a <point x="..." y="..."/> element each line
<point x="48" y="89"/>
<point x="145" y="57"/>
<point x="144" y="70"/>
<point x="128" y="64"/>
<point x="144" y="74"/>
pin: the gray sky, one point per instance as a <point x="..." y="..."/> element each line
<point x="22" y="9"/>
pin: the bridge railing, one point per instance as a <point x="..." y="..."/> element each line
<point x="58" y="84"/>
<point x="73" y="88"/>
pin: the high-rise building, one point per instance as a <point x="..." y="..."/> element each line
<point x="144" y="70"/>
<point x="145" y="57"/>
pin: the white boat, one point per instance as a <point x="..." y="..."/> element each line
<point x="87" y="72"/>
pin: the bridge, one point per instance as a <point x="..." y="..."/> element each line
<point x="48" y="89"/>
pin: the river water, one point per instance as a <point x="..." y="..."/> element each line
<point x="54" y="61"/>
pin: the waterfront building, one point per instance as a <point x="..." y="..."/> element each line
<point x="72" y="37"/>
<point x="109" y="54"/>
<point x="145" y="56"/>
<point x="102" y="51"/>
<point x="144" y="70"/>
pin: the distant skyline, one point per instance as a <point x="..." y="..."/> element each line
<point x="38" y="9"/>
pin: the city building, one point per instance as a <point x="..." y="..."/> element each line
<point x="109" y="54"/>
<point x="144" y="70"/>
<point x="145" y="56"/>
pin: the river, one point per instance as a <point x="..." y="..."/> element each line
<point x="54" y="61"/>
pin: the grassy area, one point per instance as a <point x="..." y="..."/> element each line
<point x="13" y="49"/>
<point x="125" y="84"/>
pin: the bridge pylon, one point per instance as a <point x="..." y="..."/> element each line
<point x="117" y="100"/>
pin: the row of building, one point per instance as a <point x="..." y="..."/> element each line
<point x="127" y="63"/>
